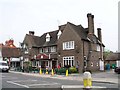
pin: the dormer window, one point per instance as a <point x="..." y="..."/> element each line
<point x="47" y="37"/>
<point x="59" y="33"/>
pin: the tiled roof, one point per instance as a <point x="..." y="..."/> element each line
<point x="32" y="40"/>
<point x="41" y="41"/>
<point x="79" y="30"/>
<point x="83" y="33"/>
<point x="53" y="38"/>
<point x="10" y="52"/>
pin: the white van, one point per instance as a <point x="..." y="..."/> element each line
<point x="4" y="66"/>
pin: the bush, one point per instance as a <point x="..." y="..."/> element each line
<point x="56" y="70"/>
<point x="30" y="68"/>
<point x="72" y="70"/>
<point x="62" y="70"/>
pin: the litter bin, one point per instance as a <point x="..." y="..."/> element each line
<point x="113" y="66"/>
<point x="108" y="66"/>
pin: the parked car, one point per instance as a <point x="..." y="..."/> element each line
<point x="4" y="66"/>
<point x="117" y="70"/>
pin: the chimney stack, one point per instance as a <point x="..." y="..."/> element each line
<point x="31" y="32"/>
<point x="90" y="23"/>
<point x="99" y="34"/>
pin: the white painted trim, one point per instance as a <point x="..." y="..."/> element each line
<point x="43" y="84"/>
<point x="79" y="86"/>
<point x="18" y="84"/>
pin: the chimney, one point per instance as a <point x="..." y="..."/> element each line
<point x="99" y="34"/>
<point x="90" y="23"/>
<point x="11" y="41"/>
<point x="31" y="32"/>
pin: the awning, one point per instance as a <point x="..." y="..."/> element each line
<point x="15" y="59"/>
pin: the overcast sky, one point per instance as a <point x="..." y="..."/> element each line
<point x="18" y="17"/>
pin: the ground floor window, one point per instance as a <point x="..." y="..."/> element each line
<point x="44" y="64"/>
<point x="68" y="61"/>
<point x="34" y="63"/>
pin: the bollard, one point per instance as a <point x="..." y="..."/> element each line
<point x="40" y="71"/>
<point x="46" y="70"/>
<point x="52" y="72"/>
<point x="67" y="72"/>
<point x="87" y="80"/>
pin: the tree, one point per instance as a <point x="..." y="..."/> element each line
<point x="106" y="53"/>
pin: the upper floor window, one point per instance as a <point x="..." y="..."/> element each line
<point x="59" y="33"/>
<point x="98" y="47"/>
<point x="26" y="51"/>
<point x="47" y="37"/>
<point x="68" y="45"/>
<point x="53" y="49"/>
<point x="46" y="49"/>
<point x="41" y="50"/>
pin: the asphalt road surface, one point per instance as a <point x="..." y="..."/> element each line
<point x="15" y="80"/>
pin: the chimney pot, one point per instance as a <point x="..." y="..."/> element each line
<point x="31" y="32"/>
<point x="99" y="34"/>
<point x="89" y="14"/>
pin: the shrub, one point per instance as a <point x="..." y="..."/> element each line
<point x="73" y="70"/>
<point x="62" y="70"/>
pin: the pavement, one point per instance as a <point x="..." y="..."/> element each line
<point x="105" y="77"/>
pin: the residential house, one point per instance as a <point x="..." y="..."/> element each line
<point x="9" y="52"/>
<point x="113" y="59"/>
<point x="70" y="45"/>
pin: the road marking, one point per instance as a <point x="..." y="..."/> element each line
<point x="79" y="86"/>
<point x="42" y="84"/>
<point x="9" y="77"/>
<point x="18" y="84"/>
<point x="25" y="80"/>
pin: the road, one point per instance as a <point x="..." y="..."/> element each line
<point x="16" y="80"/>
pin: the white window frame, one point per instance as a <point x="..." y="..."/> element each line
<point x="68" y="45"/>
<point x="53" y="49"/>
<point x="68" y="59"/>
<point x="41" y="50"/>
<point x="59" y="34"/>
<point x="47" y="37"/>
<point x="98" y="47"/>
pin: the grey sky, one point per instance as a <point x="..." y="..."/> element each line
<point x="18" y="17"/>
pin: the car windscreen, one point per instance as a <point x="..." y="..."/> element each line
<point x="3" y="64"/>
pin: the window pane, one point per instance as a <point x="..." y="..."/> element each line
<point x="70" y="62"/>
<point x="67" y="45"/>
<point x="64" y="62"/>
<point x="72" y="58"/>
<point x="67" y="62"/>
